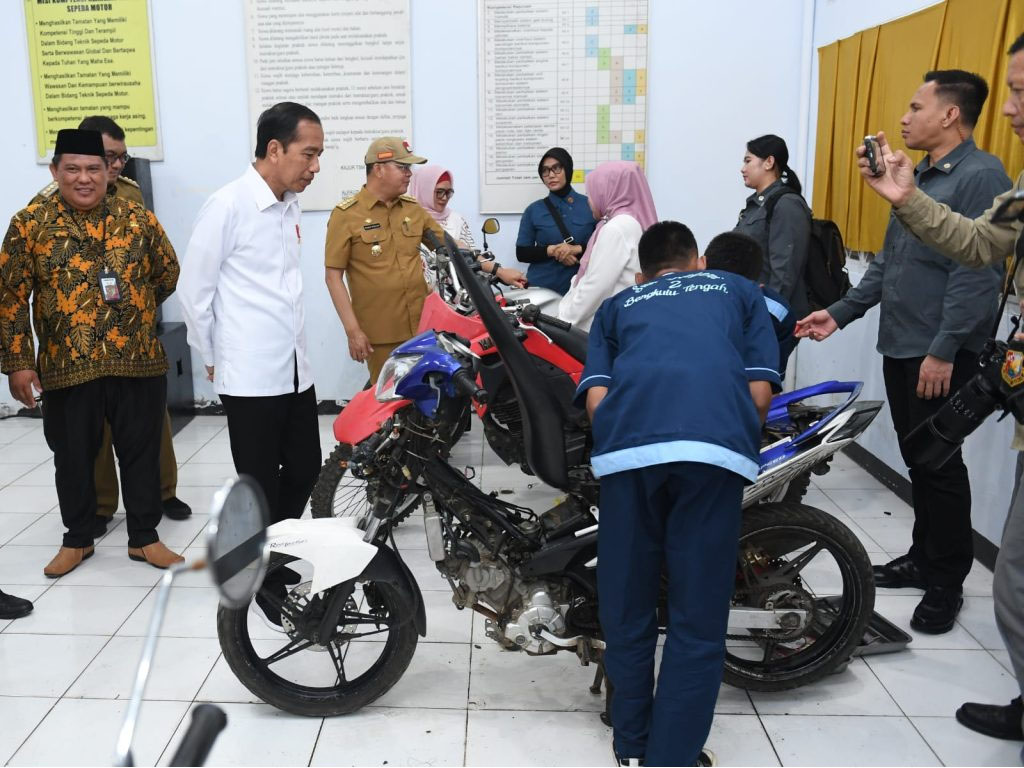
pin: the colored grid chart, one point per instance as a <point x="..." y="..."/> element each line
<point x="609" y="84"/>
<point x="569" y="73"/>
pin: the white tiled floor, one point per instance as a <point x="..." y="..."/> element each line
<point x="66" y="670"/>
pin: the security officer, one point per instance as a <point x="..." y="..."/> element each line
<point x="374" y="237"/>
<point x="116" y="152"/>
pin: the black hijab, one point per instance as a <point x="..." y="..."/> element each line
<point x="565" y="159"/>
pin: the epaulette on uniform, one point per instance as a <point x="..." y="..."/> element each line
<point x="132" y="182"/>
<point x="347" y="203"/>
<point x="48" y="190"/>
<point x="408" y="198"/>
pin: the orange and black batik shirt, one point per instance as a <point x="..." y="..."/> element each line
<point x="54" y="255"/>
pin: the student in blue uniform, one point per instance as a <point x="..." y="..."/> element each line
<point x="554" y="230"/>
<point x="679" y="375"/>
<point x="740" y="254"/>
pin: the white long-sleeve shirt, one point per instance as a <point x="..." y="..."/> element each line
<point x="613" y="265"/>
<point x="241" y="290"/>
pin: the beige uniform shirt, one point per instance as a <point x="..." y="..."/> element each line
<point x="123" y="187"/>
<point x="974" y="242"/>
<point x="378" y="247"/>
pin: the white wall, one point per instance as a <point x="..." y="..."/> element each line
<point x="714" y="83"/>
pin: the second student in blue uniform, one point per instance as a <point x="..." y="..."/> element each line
<point x="740" y="254"/>
<point x="679" y="375"/>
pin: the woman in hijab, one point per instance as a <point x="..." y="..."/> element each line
<point x="621" y="201"/>
<point x="433" y="186"/>
<point x="778" y="218"/>
<point x="554" y="230"/>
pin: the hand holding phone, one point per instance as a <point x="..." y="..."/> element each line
<point x="874" y="156"/>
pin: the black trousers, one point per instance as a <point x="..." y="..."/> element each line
<point x="73" y="426"/>
<point x="942" y="540"/>
<point x="276" y="440"/>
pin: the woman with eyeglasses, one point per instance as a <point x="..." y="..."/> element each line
<point x="555" y="230"/>
<point x="433" y="187"/>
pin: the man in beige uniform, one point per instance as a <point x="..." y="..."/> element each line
<point x="116" y="152"/>
<point x="976" y="242"/>
<point x="373" y="237"/>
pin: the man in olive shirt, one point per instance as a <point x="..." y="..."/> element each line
<point x="978" y="242"/>
<point x="116" y="152"/>
<point x="90" y="269"/>
<point x="374" y="238"/>
<point x="935" y="318"/>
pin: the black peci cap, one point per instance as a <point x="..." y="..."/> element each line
<point x="74" y="141"/>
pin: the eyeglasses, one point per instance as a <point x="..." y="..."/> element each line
<point x="113" y="157"/>
<point x="551" y="170"/>
<point x="443" y="194"/>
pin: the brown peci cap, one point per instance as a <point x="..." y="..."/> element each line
<point x="391" y="149"/>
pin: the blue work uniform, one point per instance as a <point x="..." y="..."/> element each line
<point x="538" y="230"/>
<point x="784" y="323"/>
<point x="675" y="440"/>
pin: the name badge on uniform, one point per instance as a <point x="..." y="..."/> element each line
<point x="110" y="286"/>
<point x="371" y="225"/>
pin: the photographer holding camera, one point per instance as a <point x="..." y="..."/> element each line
<point x="983" y="241"/>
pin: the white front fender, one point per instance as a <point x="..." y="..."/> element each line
<point x="333" y="547"/>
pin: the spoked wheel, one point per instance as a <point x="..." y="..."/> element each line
<point x="297" y="672"/>
<point x="797" y="558"/>
<point x="337" y="492"/>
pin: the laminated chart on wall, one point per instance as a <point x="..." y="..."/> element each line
<point x="348" y="61"/>
<point x="568" y="73"/>
<point x="93" y="58"/>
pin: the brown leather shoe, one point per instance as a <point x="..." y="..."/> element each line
<point x="156" y="554"/>
<point x="66" y="560"/>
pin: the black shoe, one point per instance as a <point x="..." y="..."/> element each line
<point x="99" y="526"/>
<point x="276" y="584"/>
<point x="12" y="607"/>
<point x="627" y="761"/>
<point x="707" y="757"/>
<point x="901" y="572"/>
<point x="936" y="613"/>
<point x="993" y="720"/>
<point x="176" y="509"/>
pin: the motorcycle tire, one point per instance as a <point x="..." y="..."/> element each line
<point x="334" y="479"/>
<point x="782" y="525"/>
<point x="316" y="701"/>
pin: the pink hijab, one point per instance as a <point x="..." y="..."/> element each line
<point x="617" y="187"/>
<point x="421" y="186"/>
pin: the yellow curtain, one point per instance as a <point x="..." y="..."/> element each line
<point x="865" y="85"/>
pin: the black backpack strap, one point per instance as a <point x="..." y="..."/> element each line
<point x="563" y="230"/>
<point x="771" y="202"/>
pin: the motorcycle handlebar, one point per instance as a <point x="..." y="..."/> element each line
<point x="208" y="721"/>
<point x="531" y="313"/>
<point x="465" y="384"/>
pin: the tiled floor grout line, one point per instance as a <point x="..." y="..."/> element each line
<point x="903" y="712"/>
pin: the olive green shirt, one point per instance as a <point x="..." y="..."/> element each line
<point x="976" y="242"/>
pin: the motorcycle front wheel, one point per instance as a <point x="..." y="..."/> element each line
<point x="367" y="654"/>
<point x="796" y="557"/>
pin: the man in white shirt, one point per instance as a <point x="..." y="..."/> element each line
<point x="241" y="294"/>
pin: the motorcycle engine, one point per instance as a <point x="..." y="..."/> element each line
<point x="538" y="609"/>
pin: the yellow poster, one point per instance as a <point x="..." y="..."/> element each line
<point x="92" y="58"/>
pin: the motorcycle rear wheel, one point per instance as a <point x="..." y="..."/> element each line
<point x="777" y="543"/>
<point x="333" y="661"/>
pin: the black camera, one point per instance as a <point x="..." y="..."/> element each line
<point x="999" y="384"/>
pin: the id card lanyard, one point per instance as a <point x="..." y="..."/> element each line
<point x="109" y="282"/>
